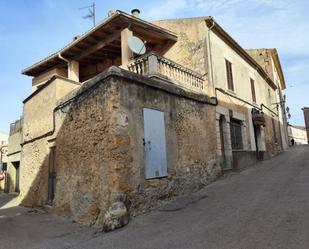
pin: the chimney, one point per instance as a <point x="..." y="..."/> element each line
<point x="135" y="12"/>
<point x="111" y="12"/>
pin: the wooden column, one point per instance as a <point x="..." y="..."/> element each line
<point x="73" y="70"/>
<point x="126" y="53"/>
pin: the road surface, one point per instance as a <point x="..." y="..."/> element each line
<point x="265" y="206"/>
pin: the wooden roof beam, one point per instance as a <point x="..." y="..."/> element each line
<point x="98" y="46"/>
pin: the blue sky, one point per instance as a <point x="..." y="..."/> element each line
<point x="30" y="30"/>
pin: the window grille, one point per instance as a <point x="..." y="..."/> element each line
<point x="236" y="135"/>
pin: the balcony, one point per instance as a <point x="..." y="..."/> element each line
<point x="258" y="117"/>
<point x="155" y="66"/>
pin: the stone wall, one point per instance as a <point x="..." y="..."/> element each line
<point x="100" y="153"/>
<point x="264" y="58"/>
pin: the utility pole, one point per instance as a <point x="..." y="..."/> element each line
<point x="91" y="14"/>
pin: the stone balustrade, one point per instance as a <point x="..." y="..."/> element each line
<point x="154" y="65"/>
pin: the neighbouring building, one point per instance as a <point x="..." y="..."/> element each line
<point x="306" y="118"/>
<point x="248" y="121"/>
<point x="3" y="155"/>
<point x="107" y="133"/>
<point x="269" y="61"/>
<point x="298" y="133"/>
<point x="12" y="181"/>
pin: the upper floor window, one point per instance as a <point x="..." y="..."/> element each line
<point x="253" y="90"/>
<point x="229" y="75"/>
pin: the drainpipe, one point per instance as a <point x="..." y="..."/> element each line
<point x="210" y="57"/>
<point x="67" y="61"/>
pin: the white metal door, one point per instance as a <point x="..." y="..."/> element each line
<point x="154" y="144"/>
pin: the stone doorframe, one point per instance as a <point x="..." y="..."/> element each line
<point x="222" y="112"/>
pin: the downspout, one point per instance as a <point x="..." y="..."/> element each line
<point x="67" y="61"/>
<point x="210" y="57"/>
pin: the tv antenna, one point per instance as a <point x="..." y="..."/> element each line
<point x="91" y="14"/>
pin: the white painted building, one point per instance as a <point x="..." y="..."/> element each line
<point x="298" y="133"/>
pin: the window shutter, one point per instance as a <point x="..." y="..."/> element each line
<point x="253" y="91"/>
<point x="229" y="75"/>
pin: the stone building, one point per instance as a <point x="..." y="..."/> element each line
<point x="12" y="181"/>
<point x="108" y="133"/>
<point x="306" y="118"/>
<point x="249" y="125"/>
<point x="298" y="133"/>
<point x="269" y="61"/>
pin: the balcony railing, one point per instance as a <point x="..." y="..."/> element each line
<point x="258" y="117"/>
<point x="154" y="65"/>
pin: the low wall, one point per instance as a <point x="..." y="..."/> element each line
<point x="100" y="153"/>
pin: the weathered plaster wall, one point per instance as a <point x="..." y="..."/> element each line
<point x="38" y="110"/>
<point x="34" y="173"/>
<point x="42" y="78"/>
<point x="190" y="49"/>
<point x="198" y="46"/>
<point x="14" y="143"/>
<point x="14" y="155"/>
<point x="242" y="72"/>
<point x="266" y="61"/>
<point x="37" y="131"/>
<point x="100" y="154"/>
<point x="264" y="58"/>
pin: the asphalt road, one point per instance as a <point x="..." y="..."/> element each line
<point x="265" y="206"/>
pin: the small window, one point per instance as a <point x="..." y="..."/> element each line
<point x="236" y="135"/>
<point x="229" y="75"/>
<point x="253" y="90"/>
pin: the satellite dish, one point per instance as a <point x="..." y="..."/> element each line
<point x="136" y="45"/>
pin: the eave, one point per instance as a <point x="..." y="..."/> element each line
<point x="93" y="41"/>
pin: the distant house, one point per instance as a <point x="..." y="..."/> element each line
<point x="108" y="132"/>
<point x="3" y="138"/>
<point x="298" y="133"/>
<point x="3" y="155"/>
<point x="306" y="119"/>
